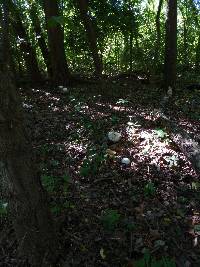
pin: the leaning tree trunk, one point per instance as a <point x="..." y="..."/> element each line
<point x="40" y="37"/>
<point x="59" y="66"/>
<point x="28" y="203"/>
<point x="92" y="38"/>
<point x="171" y="45"/>
<point x="28" y="51"/>
<point x="27" y="200"/>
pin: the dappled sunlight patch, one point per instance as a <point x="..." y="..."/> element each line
<point x="142" y="176"/>
<point x="74" y="147"/>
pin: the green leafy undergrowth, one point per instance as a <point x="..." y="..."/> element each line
<point x="92" y="163"/>
<point x="151" y="261"/>
<point x="53" y="184"/>
<point x="110" y="219"/>
<point x="149" y="189"/>
<point x="3" y="208"/>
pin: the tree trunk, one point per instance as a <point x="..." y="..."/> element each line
<point x="171" y="45"/>
<point x="40" y="37"/>
<point x="28" y="203"/>
<point x="197" y="56"/>
<point x="158" y="33"/>
<point x="59" y="66"/>
<point x="28" y="51"/>
<point x="92" y="38"/>
<point x="27" y="200"/>
<point x="131" y="50"/>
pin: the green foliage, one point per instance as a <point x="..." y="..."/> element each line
<point x="129" y="226"/>
<point x="49" y="182"/>
<point x="160" y="133"/>
<point x="110" y="219"/>
<point x="149" y="189"/>
<point x="114" y="119"/>
<point x="92" y="164"/>
<point x="54" y="21"/>
<point x="149" y="261"/>
<point x="3" y="208"/>
<point x="53" y="184"/>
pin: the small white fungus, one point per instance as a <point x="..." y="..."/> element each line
<point x="114" y="136"/>
<point x="126" y="161"/>
<point x="65" y="90"/>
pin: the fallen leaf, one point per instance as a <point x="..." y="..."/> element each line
<point x="102" y="253"/>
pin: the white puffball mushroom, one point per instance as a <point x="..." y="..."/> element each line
<point x="125" y="161"/>
<point x="65" y="90"/>
<point x="114" y="136"/>
<point x="169" y="91"/>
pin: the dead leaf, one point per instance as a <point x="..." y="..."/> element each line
<point x="154" y="234"/>
<point x="102" y="253"/>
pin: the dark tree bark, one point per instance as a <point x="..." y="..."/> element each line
<point x="185" y="35"/>
<point x="40" y="37"/>
<point x="131" y="50"/>
<point x="28" y="203"/>
<point x="171" y="45"/>
<point x="92" y="38"/>
<point x="59" y="66"/>
<point x="158" y="33"/>
<point x="28" y="51"/>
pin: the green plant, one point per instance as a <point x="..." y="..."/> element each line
<point x="150" y="261"/>
<point x="160" y="133"/>
<point x="149" y="189"/>
<point x="3" y="208"/>
<point x="92" y="163"/>
<point x="52" y="183"/>
<point x="49" y="182"/>
<point x="110" y="219"/>
<point x="114" y="119"/>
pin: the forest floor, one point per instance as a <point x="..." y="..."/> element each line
<point x="109" y="214"/>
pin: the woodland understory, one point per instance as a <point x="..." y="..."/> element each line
<point x="107" y="213"/>
<point x="99" y="133"/>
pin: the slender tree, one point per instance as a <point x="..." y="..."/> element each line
<point x="59" y="66"/>
<point x="170" y="44"/>
<point x="40" y="36"/>
<point x="195" y="12"/>
<point x="27" y="199"/>
<point x="158" y="33"/>
<point x="92" y="38"/>
<point x="27" y="49"/>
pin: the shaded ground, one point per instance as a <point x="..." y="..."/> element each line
<point x="109" y="214"/>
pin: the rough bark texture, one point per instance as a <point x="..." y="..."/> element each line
<point x="40" y="38"/>
<point x="171" y="44"/>
<point x="92" y="38"/>
<point x="28" y="203"/>
<point x="27" y="200"/>
<point x="59" y="66"/>
<point x="28" y="51"/>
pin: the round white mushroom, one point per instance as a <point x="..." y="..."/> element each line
<point x="125" y="161"/>
<point x="114" y="136"/>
